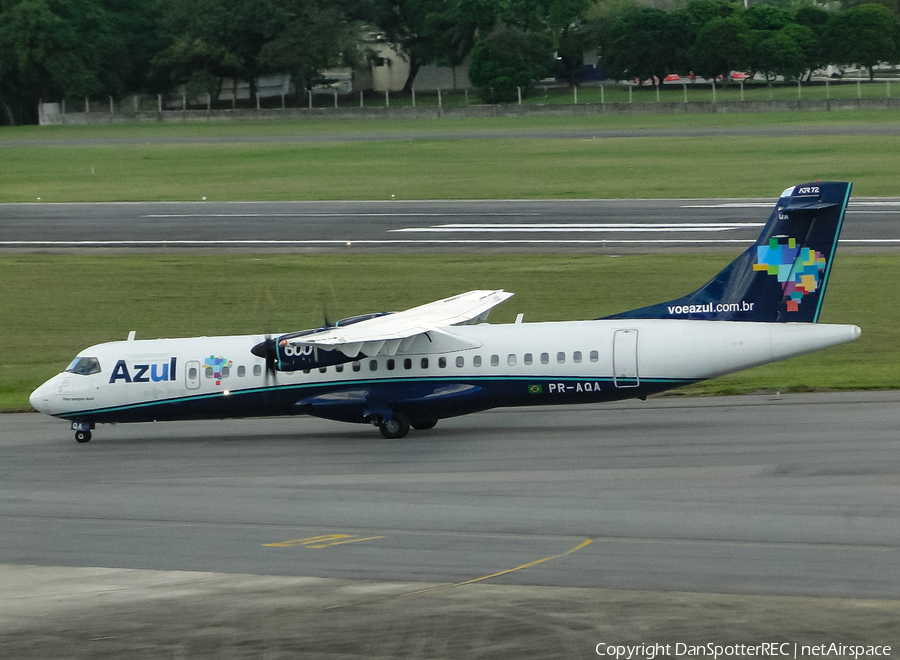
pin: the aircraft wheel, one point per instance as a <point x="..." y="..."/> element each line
<point x="398" y="427"/>
<point x="82" y="436"/>
<point x="423" y="424"/>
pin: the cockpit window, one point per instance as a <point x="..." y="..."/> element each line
<point x="84" y="366"/>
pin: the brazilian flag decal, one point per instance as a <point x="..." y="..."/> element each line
<point x="535" y="389"/>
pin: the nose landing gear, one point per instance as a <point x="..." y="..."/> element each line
<point x="82" y="431"/>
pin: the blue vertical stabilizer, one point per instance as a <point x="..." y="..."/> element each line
<point x="782" y="277"/>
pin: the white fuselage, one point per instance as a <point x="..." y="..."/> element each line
<point x="513" y="364"/>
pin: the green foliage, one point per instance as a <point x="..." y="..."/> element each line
<point x="509" y="58"/>
<point x="722" y="45"/>
<point x="866" y="35"/>
<point x="647" y="42"/>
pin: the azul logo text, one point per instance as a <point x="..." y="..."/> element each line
<point x="143" y="373"/>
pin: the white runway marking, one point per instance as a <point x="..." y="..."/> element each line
<point x="352" y="242"/>
<point x="334" y="215"/>
<point x="582" y="227"/>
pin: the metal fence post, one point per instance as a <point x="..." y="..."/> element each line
<point x="798" y="90"/>
<point x="112" y="109"/>
<point x="335" y="100"/>
<point x="657" y="92"/>
<point x="630" y="90"/>
<point x="360" y="99"/>
<point x="387" y="98"/>
<point x="684" y="85"/>
<point x="858" y="89"/>
<point x="257" y="100"/>
<point x="440" y="102"/>
<point x="159" y="101"/>
<point x="467" y="95"/>
<point x="309" y="92"/>
<point x="576" y="95"/>
<point x="519" y="92"/>
<point x="602" y="98"/>
<point x="87" y="106"/>
<point x="413" y="90"/>
<point x="742" y="90"/>
<point x="827" y="91"/>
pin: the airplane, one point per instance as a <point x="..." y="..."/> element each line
<point x="410" y="369"/>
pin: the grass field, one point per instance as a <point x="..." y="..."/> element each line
<point x="468" y="169"/>
<point x="424" y="168"/>
<point x="54" y="306"/>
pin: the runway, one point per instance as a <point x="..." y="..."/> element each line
<point x="439" y="225"/>
<point x="748" y="495"/>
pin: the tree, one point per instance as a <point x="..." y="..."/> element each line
<point x="777" y="53"/>
<point x="722" y="45"/>
<point x="509" y="58"/>
<point x="51" y="49"/>
<point x="864" y="35"/>
<point x="646" y="43"/>
<point x="213" y="39"/>
<point x="313" y="35"/>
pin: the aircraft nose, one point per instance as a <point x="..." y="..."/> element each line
<point x="40" y="398"/>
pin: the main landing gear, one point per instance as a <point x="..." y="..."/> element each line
<point x="399" y="424"/>
<point x="82" y="436"/>
<point x="396" y="427"/>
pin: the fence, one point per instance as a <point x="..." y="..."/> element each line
<point x="737" y="96"/>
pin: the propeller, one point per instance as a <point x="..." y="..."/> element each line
<point x="268" y="351"/>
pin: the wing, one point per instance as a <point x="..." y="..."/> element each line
<point x="391" y="333"/>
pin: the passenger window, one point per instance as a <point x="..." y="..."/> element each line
<point x="528" y="358"/>
<point x="226" y="371"/>
<point x="242" y="371"/>
<point x="561" y="357"/>
<point x="192" y="373"/>
<point x="545" y="358"/>
<point x="495" y="360"/>
<point x="339" y="368"/>
<point x="373" y="365"/>
<point x="357" y="365"/>
<point x="424" y="363"/>
<point x="442" y="362"/>
<point x="476" y="361"/>
<point x="407" y="363"/>
<point x="460" y="361"/>
<point x="390" y="364"/>
<point x="594" y="356"/>
<point x="257" y="370"/>
<point x="208" y="372"/>
<point x="511" y="359"/>
<point x="576" y="356"/>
